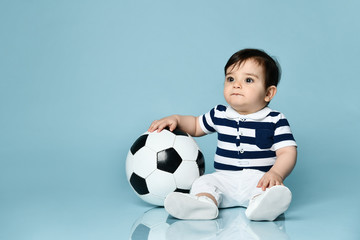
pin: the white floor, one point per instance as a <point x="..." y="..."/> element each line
<point x="121" y="215"/>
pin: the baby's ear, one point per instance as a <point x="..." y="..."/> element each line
<point x="270" y="93"/>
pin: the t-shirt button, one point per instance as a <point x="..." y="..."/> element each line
<point x="242" y="151"/>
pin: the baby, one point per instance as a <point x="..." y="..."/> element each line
<point x="255" y="152"/>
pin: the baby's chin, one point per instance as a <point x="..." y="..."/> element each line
<point x="242" y="110"/>
<point x="239" y="109"/>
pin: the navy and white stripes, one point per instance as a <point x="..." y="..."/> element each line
<point x="247" y="141"/>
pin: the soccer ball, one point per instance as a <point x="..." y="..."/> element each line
<point x="160" y="163"/>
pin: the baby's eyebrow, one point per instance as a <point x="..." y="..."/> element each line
<point x="249" y="74"/>
<point x="252" y="74"/>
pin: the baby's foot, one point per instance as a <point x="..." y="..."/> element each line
<point x="187" y="206"/>
<point x="270" y="204"/>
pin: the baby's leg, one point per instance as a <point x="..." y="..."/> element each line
<point x="188" y="206"/>
<point x="268" y="205"/>
<point x="201" y="203"/>
<point x="208" y="195"/>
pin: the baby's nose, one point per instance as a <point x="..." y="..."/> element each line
<point x="237" y="84"/>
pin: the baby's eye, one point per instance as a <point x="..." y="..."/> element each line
<point x="249" y="80"/>
<point x="230" y="79"/>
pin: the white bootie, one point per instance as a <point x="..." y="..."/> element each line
<point x="187" y="206"/>
<point x="270" y="204"/>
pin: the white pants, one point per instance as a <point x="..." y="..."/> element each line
<point x="229" y="188"/>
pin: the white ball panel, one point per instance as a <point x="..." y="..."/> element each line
<point x="186" y="174"/>
<point x="186" y="147"/>
<point x="160" y="141"/>
<point x="161" y="183"/>
<point x="144" y="162"/>
<point x="153" y="199"/>
<point x="129" y="165"/>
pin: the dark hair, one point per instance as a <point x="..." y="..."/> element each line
<point x="271" y="66"/>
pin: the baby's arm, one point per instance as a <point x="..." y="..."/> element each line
<point x="189" y="124"/>
<point x="284" y="164"/>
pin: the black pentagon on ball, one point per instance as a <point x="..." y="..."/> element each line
<point x="139" y="184"/>
<point x="179" y="132"/>
<point x="201" y="163"/>
<point x="141" y="232"/>
<point x="168" y="160"/>
<point x="182" y="190"/>
<point x="139" y="143"/>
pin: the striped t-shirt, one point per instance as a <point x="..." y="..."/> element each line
<point x="247" y="141"/>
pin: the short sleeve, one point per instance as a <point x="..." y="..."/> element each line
<point x="283" y="136"/>
<point x="207" y="123"/>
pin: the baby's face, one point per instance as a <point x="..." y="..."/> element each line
<point x="244" y="88"/>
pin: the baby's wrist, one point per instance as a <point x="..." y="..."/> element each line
<point x="277" y="173"/>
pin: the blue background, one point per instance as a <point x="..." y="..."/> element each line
<point x="81" y="80"/>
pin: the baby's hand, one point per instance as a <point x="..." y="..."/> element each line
<point x="159" y="125"/>
<point x="269" y="180"/>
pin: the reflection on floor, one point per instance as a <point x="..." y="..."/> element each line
<point x="156" y="224"/>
